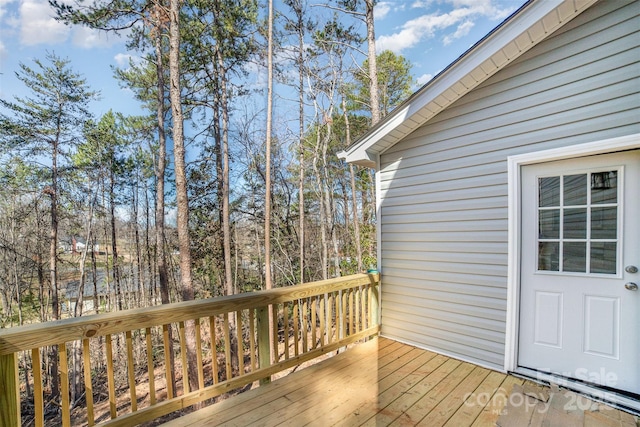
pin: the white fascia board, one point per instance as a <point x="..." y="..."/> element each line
<point x="361" y="158"/>
<point x="520" y="33"/>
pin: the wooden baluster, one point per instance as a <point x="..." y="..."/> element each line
<point x="183" y="356"/>
<point x="296" y="327"/>
<point x="274" y="326"/>
<point x="199" y="355"/>
<point x="252" y="338"/>
<point x="227" y="347"/>
<point x="357" y="291"/>
<point x="304" y="316"/>
<point x="363" y="301"/>
<point x="322" y="321"/>
<point x="10" y="387"/>
<point x="63" y="369"/>
<point x="131" y="372"/>
<point x="350" y="308"/>
<point x="314" y="318"/>
<point x="88" y="384"/>
<point x="331" y="324"/>
<point x="150" y="366"/>
<point x="264" y="352"/>
<point x="38" y="401"/>
<point x="345" y="313"/>
<point x="110" y="377"/>
<point x="214" y="349"/>
<point x="240" y="336"/>
<point x="337" y="304"/>
<point x="285" y="313"/>
<point x="168" y="349"/>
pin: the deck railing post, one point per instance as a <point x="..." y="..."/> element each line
<point x="9" y="391"/>
<point x="264" y="343"/>
<point x="375" y="298"/>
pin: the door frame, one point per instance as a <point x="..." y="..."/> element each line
<point x="515" y="164"/>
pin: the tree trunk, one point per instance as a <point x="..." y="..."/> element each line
<point x="321" y="209"/>
<point x="373" y="92"/>
<point x="301" y="93"/>
<point x="356" y="220"/>
<point x="77" y="312"/>
<point x="139" y="292"/>
<point x="107" y="268"/>
<point x="150" y="275"/>
<point x="40" y="269"/>
<point x="373" y="68"/>
<point x="329" y="201"/>
<point x="235" y="335"/>
<point x="94" y="271"/>
<point x="114" y="241"/>
<point x="16" y="273"/>
<point x="53" y="267"/>
<point x="161" y="256"/>
<point x="163" y="276"/>
<point x="181" y="187"/>
<point x="267" y="198"/>
<point x="354" y="201"/>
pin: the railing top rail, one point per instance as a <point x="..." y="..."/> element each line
<point x="52" y="333"/>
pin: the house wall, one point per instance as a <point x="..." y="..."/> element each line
<point x="443" y="204"/>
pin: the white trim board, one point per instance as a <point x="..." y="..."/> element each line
<point x="514" y="164"/>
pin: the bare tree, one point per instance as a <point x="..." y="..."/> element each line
<point x="267" y="201"/>
<point x="373" y="69"/>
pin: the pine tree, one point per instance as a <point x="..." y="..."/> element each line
<point x="48" y="124"/>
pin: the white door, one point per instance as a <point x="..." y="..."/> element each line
<point x="580" y="234"/>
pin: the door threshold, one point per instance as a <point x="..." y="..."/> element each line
<point x="628" y="402"/>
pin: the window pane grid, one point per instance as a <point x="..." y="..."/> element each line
<point x="578" y="223"/>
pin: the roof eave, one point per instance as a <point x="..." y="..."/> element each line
<point x="528" y="26"/>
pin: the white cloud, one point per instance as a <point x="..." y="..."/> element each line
<point x="424" y="27"/>
<point x="424" y="79"/>
<point x="38" y="25"/>
<point x="3" y="8"/>
<point x="122" y="59"/>
<point x="486" y="7"/>
<point x="462" y="30"/>
<point x="3" y="50"/>
<point x="381" y="9"/>
<point x="87" y="38"/>
<point x="414" y="31"/>
<point x="421" y="4"/>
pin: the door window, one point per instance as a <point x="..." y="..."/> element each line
<point x="578" y="227"/>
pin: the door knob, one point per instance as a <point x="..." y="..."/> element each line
<point x="631" y="269"/>
<point x="631" y="286"/>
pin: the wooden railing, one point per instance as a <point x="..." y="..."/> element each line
<point x="278" y="329"/>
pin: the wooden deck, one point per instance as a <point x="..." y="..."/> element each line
<point x="386" y="383"/>
<point x="378" y="383"/>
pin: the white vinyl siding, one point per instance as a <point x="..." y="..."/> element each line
<point x="443" y="208"/>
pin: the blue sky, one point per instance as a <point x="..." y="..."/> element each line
<point x="430" y="33"/>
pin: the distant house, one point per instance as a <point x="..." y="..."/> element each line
<point x="509" y="196"/>
<point x="74" y="245"/>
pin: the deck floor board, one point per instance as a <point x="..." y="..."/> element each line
<point x="379" y="383"/>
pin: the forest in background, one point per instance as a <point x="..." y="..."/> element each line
<point x="106" y="186"/>
<point x="207" y="192"/>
